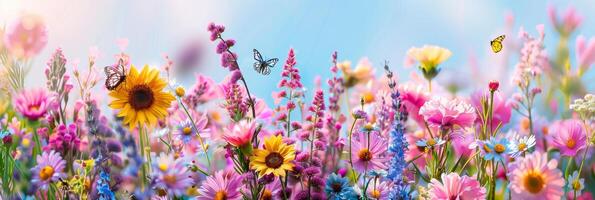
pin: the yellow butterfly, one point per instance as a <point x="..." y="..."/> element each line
<point x="497" y="43"/>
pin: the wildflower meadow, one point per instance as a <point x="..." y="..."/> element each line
<point x="362" y="130"/>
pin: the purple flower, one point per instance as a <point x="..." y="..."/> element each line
<point x="33" y="104"/>
<point x="49" y="168"/>
<point x="64" y="139"/>
<point x="221" y="185"/>
<point x="171" y="175"/>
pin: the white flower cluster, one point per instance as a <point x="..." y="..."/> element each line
<point x="585" y="107"/>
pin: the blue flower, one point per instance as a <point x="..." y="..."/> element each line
<point x="103" y="188"/>
<point x="338" y="188"/>
<point x="430" y="142"/>
<point x="494" y="149"/>
<point x="397" y="146"/>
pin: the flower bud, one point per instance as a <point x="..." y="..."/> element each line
<point x="180" y="92"/>
<point x="493" y="85"/>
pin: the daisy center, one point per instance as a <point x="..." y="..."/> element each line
<point x="221" y="195"/>
<point x="499" y="148"/>
<point x="486" y="148"/>
<point x="163" y="166"/>
<point x="141" y="97"/>
<point x="533" y="182"/>
<point x="337" y="187"/>
<point x="375" y="194"/>
<point x="266" y="195"/>
<point x="570" y="143"/>
<point x="274" y="160"/>
<point x="34" y="108"/>
<point x="576" y="185"/>
<point x="368" y="97"/>
<point x="187" y="130"/>
<point x="431" y="142"/>
<point x="364" y="155"/>
<point x="170" y="179"/>
<point x="46" y="173"/>
<point x="522" y="146"/>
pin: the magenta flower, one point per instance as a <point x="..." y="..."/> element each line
<point x="501" y="110"/>
<point x="534" y="177"/>
<point x="49" y="168"/>
<point x="33" y="104"/>
<point x="171" y="175"/>
<point x="369" y="154"/>
<point x="241" y="133"/>
<point x="413" y="99"/>
<point x="585" y="53"/>
<point x="447" y="113"/>
<point x="26" y="37"/>
<point x="454" y="186"/>
<point x="570" y="137"/>
<point x="221" y="185"/>
<point x="64" y="139"/>
<point x="461" y="142"/>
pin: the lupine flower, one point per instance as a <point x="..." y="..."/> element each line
<point x="241" y="133"/>
<point x="445" y="113"/>
<point x="26" y="37"/>
<point x="33" y="104"/>
<point x="535" y="177"/>
<point x="494" y="149"/>
<point x="221" y="186"/>
<point x="369" y="154"/>
<point x="501" y="109"/>
<point x="570" y="138"/>
<point x="520" y="144"/>
<point x="290" y="75"/>
<point x="338" y="188"/>
<point x="575" y="184"/>
<point x="49" y="168"/>
<point x="454" y="186"/>
<point x="171" y="175"/>
<point x="235" y="103"/>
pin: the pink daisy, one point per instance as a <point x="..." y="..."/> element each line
<point x="454" y="186"/>
<point x="26" y="37"/>
<point x="33" y="104"/>
<point x="368" y="154"/>
<point x="448" y="113"/>
<point x="570" y="137"/>
<point x="221" y="186"/>
<point x="534" y="177"/>
<point x="413" y="99"/>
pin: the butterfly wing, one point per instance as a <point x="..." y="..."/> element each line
<point x="500" y="38"/>
<point x="258" y="67"/>
<point x="115" y="75"/>
<point x="496" y="46"/>
<point x="271" y="62"/>
<point x="257" y="55"/>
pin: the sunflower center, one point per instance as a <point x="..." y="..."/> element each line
<point x="274" y="160"/>
<point x="533" y="182"/>
<point x="364" y="155"/>
<point x="221" y="195"/>
<point x="570" y="143"/>
<point x="170" y="179"/>
<point x="337" y="187"/>
<point x="376" y="194"/>
<point x="46" y="173"/>
<point x="187" y="130"/>
<point x="522" y="146"/>
<point x="499" y="148"/>
<point x="266" y="195"/>
<point x="141" y="97"/>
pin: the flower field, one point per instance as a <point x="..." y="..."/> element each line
<point x="129" y="130"/>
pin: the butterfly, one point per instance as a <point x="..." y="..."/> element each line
<point x="116" y="75"/>
<point x="497" y="43"/>
<point x="261" y="66"/>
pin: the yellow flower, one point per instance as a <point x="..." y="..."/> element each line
<point x="275" y="158"/>
<point x="361" y="74"/>
<point x="140" y="98"/>
<point x="429" y="57"/>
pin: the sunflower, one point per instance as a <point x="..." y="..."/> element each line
<point x="275" y="157"/>
<point x="140" y="98"/>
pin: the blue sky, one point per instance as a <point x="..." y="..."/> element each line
<point x="379" y="30"/>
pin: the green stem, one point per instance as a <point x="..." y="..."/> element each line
<point x="204" y="148"/>
<point x="350" y="134"/>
